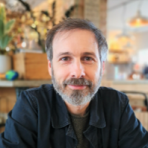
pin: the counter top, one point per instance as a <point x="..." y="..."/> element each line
<point x="127" y="85"/>
<point x="130" y="81"/>
<point x="36" y="83"/>
<point x="23" y="83"/>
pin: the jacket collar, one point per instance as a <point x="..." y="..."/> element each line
<point x="60" y="116"/>
<point x="97" y="117"/>
<point x="59" y="113"/>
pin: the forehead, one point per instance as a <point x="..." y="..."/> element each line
<point x="77" y="39"/>
<point x="74" y="32"/>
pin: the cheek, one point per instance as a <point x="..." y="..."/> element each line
<point x="61" y="74"/>
<point x="95" y="76"/>
<point x="93" y="73"/>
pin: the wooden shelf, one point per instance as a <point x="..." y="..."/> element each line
<point x="117" y="51"/>
<point x="23" y="83"/>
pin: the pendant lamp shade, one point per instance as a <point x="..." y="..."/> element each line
<point x="138" y="20"/>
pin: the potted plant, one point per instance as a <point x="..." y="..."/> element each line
<point x="5" y="38"/>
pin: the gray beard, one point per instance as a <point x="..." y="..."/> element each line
<point x="77" y="97"/>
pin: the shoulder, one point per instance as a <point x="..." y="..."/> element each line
<point x="112" y="93"/>
<point x="42" y="88"/>
<point x="40" y="91"/>
<point x="112" y="96"/>
<point x="40" y="95"/>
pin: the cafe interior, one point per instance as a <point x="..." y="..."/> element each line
<point x="23" y="61"/>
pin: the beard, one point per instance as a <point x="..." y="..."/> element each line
<point x="76" y="97"/>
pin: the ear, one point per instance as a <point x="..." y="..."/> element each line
<point x="103" y="67"/>
<point x="49" y="67"/>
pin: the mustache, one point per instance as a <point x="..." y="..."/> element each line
<point x="80" y="81"/>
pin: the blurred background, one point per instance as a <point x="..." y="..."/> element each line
<point x="23" y="63"/>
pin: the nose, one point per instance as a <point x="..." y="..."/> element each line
<point x="77" y="70"/>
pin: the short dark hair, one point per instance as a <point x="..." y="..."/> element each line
<point x="75" y="23"/>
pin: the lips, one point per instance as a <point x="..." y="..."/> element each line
<point x="77" y="87"/>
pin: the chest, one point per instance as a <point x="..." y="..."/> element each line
<point x="97" y="138"/>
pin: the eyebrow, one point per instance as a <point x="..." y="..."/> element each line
<point x="89" y="53"/>
<point x="85" y="53"/>
<point x="64" y="53"/>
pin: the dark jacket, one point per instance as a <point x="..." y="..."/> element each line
<point x="40" y="119"/>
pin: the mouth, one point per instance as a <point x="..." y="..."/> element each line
<point x="77" y="87"/>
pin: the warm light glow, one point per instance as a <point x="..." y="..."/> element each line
<point x="2" y="5"/>
<point x="33" y="25"/>
<point x="123" y="39"/>
<point x="138" y="20"/>
<point x="36" y="23"/>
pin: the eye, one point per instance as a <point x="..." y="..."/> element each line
<point x="65" y="59"/>
<point x="88" y="59"/>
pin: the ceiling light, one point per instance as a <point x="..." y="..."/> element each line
<point x="138" y="20"/>
<point x="123" y="34"/>
<point x="124" y="39"/>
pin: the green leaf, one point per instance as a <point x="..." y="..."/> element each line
<point x="0" y="44"/>
<point x="4" y="41"/>
<point x="2" y="14"/>
<point x="1" y="28"/>
<point x="9" y="26"/>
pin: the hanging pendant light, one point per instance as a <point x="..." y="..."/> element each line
<point x="123" y="34"/>
<point x="138" y="20"/>
<point x="124" y="37"/>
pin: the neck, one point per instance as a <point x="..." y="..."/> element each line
<point x="77" y="110"/>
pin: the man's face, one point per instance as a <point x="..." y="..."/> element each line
<point x="75" y="67"/>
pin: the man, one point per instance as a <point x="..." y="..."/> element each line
<point x="74" y="112"/>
